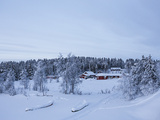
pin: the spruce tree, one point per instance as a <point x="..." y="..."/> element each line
<point x="150" y="81"/>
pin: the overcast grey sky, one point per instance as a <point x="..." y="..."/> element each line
<point x="32" y="29"/>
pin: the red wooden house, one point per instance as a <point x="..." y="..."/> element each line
<point x="104" y="76"/>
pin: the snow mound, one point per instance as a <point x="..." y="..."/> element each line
<point x="80" y="106"/>
<point x="50" y="103"/>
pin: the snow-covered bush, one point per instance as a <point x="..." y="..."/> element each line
<point x="9" y="83"/>
<point x="106" y="91"/>
<point x="21" y="90"/>
<point x="143" y="79"/>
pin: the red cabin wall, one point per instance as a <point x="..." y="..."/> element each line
<point x="100" y="78"/>
<point x="82" y="76"/>
<point x="107" y="77"/>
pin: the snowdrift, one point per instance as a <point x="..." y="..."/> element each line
<point x="80" y="106"/>
<point x="50" y="103"/>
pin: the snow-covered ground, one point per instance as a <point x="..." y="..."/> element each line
<point x="110" y="106"/>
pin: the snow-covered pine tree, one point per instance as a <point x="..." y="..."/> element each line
<point x="150" y="81"/>
<point x="143" y="79"/>
<point x="24" y="79"/>
<point x="30" y="66"/>
<point x="70" y="77"/>
<point x="40" y="79"/>
<point x="158" y="68"/>
<point x="129" y="83"/>
<point x="9" y="83"/>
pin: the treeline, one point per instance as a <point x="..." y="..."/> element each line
<point x="57" y="66"/>
<point x="68" y="68"/>
<point x="143" y="77"/>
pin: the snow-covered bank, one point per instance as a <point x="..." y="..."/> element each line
<point x="145" y="108"/>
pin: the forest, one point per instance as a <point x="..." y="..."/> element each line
<point x="142" y="79"/>
<point x="57" y="65"/>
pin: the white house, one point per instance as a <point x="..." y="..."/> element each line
<point x="116" y="70"/>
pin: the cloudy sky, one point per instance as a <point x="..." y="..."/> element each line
<point x="32" y="29"/>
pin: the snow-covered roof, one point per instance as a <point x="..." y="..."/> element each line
<point x="89" y="73"/>
<point x="107" y="74"/>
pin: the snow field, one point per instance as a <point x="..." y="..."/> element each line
<point x="100" y="106"/>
